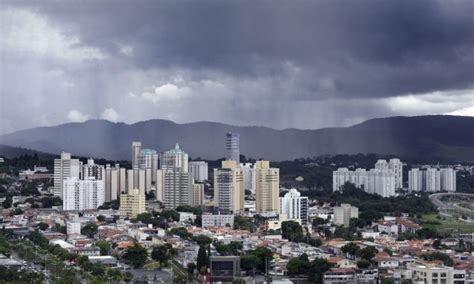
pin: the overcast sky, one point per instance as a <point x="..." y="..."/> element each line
<point x="280" y="64"/>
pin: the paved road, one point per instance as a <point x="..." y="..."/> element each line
<point x="436" y="200"/>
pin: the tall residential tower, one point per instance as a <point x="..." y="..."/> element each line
<point x="232" y="146"/>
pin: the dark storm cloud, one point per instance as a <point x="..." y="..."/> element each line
<point x="368" y="48"/>
<point x="276" y="63"/>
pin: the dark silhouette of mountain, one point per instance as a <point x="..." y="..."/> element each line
<point x="13" y="152"/>
<point x="437" y="137"/>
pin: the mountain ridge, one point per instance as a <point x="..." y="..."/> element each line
<point x="440" y="136"/>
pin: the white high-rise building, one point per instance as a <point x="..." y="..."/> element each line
<point x="294" y="206"/>
<point x="83" y="194"/>
<point x="232" y="146"/>
<point x="415" y="180"/>
<point x="249" y="176"/>
<point x="115" y="182"/>
<point x="139" y="179"/>
<point x="448" y="179"/>
<point x="396" y="166"/>
<point x="344" y="213"/>
<point x="198" y="170"/>
<point x="381" y="180"/>
<point x="148" y="159"/>
<point x="175" y="159"/>
<point x="136" y="148"/>
<point x="432" y="180"/>
<point x="64" y="168"/>
<point x="381" y="165"/>
<point x="176" y="188"/>
<point x="92" y="169"/>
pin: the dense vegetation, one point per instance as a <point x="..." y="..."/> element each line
<point x="314" y="270"/>
<point x="372" y="206"/>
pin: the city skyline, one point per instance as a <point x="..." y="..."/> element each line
<point x="306" y="65"/>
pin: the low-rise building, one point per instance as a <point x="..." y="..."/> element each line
<point x="217" y="220"/>
<point x="432" y="274"/>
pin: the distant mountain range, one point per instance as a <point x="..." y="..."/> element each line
<point x="436" y="137"/>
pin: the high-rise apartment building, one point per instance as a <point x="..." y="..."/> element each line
<point x="415" y="180"/>
<point x="83" y="194"/>
<point x="229" y="188"/>
<point x="115" y="182"/>
<point x="344" y="213"/>
<point x="132" y="203"/>
<point x="175" y="159"/>
<point x="448" y="179"/>
<point x="198" y="170"/>
<point x="381" y="180"/>
<point x="267" y="188"/>
<point x="148" y="159"/>
<point x="139" y="178"/>
<point x="249" y="176"/>
<point x="232" y="145"/>
<point x="136" y="148"/>
<point x="432" y="179"/>
<point x="294" y="206"/>
<point x="198" y="194"/>
<point x="176" y="187"/>
<point x="64" y="168"/>
<point x="91" y="169"/>
<point x="396" y="166"/>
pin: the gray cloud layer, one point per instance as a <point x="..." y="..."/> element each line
<point x="276" y="63"/>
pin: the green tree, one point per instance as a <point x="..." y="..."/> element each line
<point x="42" y="226"/>
<point x="136" y="256"/>
<point x="181" y="232"/>
<point x="367" y="253"/>
<point x="201" y="259"/>
<point x="104" y="247"/>
<point x="250" y="262"/>
<point x="265" y="255"/>
<point x="292" y="231"/>
<point x="38" y="239"/>
<point x="101" y="218"/>
<point x="232" y="248"/>
<point x="437" y="244"/>
<point x="202" y="240"/>
<point x="172" y="215"/>
<point x="89" y="230"/>
<point x="317" y="269"/>
<point x="363" y="264"/>
<point x="191" y="267"/>
<point x="388" y="251"/>
<point x="426" y="233"/>
<point x="351" y="249"/>
<point x="161" y="253"/>
<point x="298" y="265"/>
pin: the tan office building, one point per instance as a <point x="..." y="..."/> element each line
<point x="229" y="188"/>
<point x="267" y="188"/>
<point x="132" y="203"/>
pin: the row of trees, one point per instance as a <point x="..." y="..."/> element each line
<point x="293" y="231"/>
<point x="314" y="270"/>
